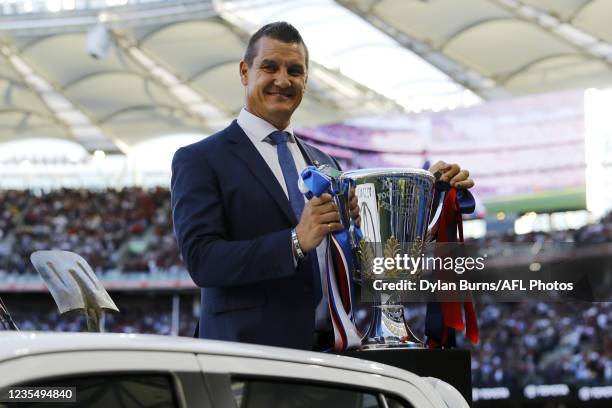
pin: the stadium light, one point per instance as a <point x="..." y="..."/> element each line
<point x="99" y="155"/>
<point x="535" y="267"/>
<point x="113" y="3"/>
<point x="54" y="5"/>
<point x="99" y="41"/>
<point x="68" y="4"/>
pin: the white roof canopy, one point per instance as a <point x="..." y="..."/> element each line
<point x="503" y="47"/>
<point x="172" y="65"/>
<point x="170" y="70"/>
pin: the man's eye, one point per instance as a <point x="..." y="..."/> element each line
<point x="269" y="68"/>
<point x="296" y="72"/>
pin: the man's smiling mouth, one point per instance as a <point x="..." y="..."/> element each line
<point x="281" y="94"/>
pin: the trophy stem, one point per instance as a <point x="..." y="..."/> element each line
<point x="412" y="337"/>
<point x="392" y="331"/>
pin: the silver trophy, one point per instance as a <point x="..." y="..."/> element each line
<point x="395" y="207"/>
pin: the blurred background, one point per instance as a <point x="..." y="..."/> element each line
<point x="96" y="95"/>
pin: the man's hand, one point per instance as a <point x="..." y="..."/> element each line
<point x="354" y="208"/>
<point x="452" y="173"/>
<point x="320" y="217"/>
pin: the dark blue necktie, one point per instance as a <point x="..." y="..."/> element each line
<point x="287" y="164"/>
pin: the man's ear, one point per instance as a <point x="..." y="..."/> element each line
<point x="244" y="73"/>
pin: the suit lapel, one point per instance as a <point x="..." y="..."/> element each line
<point x="248" y="154"/>
<point x="306" y="153"/>
<point x="313" y="157"/>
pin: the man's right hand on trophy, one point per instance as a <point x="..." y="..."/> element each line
<point x="453" y="174"/>
<point x="354" y="208"/>
<point x="319" y="218"/>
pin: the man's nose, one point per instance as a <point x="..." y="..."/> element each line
<point x="282" y="79"/>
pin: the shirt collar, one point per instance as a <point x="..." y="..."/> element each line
<point x="257" y="128"/>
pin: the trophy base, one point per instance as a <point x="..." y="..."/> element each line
<point x="392" y="344"/>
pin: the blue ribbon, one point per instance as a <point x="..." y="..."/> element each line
<point x="324" y="179"/>
<point x="316" y="182"/>
<point x="467" y="203"/>
<point x="320" y="180"/>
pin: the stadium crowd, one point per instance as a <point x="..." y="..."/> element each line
<point x="520" y="343"/>
<point x="537" y="343"/>
<point x="130" y="230"/>
<point x="543" y="343"/>
<point x="127" y="230"/>
<point x="138" y="313"/>
<point x="590" y="234"/>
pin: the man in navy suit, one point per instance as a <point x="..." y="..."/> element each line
<point x="256" y="250"/>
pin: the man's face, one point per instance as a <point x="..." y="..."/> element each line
<point x="276" y="80"/>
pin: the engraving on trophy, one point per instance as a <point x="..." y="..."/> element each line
<point x="392" y="248"/>
<point x="393" y="318"/>
<point x="366" y="258"/>
<point x="416" y="251"/>
<point x="395" y="198"/>
<point x="370" y="221"/>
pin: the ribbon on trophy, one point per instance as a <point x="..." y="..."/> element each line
<point x="444" y="318"/>
<point x="315" y="181"/>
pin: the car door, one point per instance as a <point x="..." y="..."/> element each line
<point x="245" y="382"/>
<point x="122" y="379"/>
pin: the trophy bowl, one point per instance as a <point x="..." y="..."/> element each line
<point x="395" y="207"/>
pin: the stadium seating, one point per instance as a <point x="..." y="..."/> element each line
<point x="130" y="231"/>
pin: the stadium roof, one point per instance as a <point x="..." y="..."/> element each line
<point x="171" y="67"/>
<point x="503" y="47"/>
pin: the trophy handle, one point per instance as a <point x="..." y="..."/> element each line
<point x="432" y="228"/>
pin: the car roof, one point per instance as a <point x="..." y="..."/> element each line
<point x="21" y="344"/>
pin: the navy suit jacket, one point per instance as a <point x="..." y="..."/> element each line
<point x="233" y="224"/>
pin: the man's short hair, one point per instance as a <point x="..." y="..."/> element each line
<point x="281" y="31"/>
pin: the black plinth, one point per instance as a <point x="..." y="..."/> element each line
<point x="452" y="366"/>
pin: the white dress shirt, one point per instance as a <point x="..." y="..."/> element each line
<point x="257" y="131"/>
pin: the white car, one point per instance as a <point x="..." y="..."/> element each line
<point x="128" y="370"/>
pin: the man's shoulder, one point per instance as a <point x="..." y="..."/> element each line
<point x="209" y="144"/>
